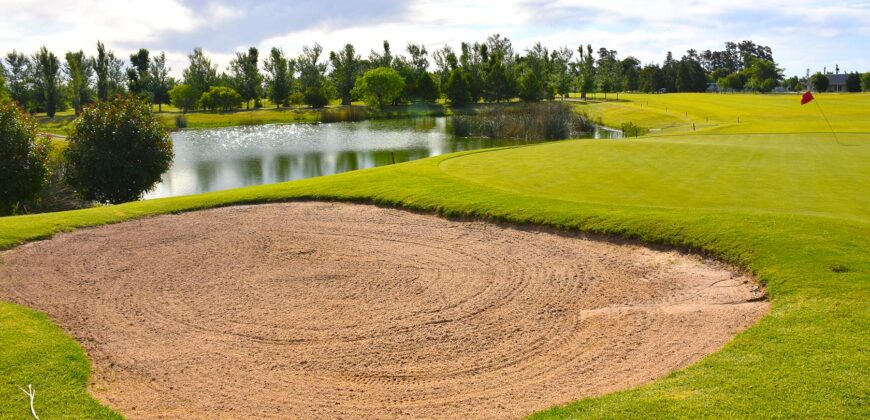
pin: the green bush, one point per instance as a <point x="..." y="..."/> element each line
<point x="296" y="98"/>
<point x="23" y="159"/>
<point x="316" y="97"/>
<point x="184" y="97"/>
<point x="117" y="151"/>
<point x="220" y="98"/>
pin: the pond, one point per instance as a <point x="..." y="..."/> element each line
<point x="224" y="158"/>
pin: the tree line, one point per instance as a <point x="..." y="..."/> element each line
<point x="490" y="71"/>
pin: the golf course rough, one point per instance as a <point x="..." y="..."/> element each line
<point x="804" y="237"/>
<point x="324" y="310"/>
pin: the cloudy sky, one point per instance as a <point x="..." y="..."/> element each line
<point x="803" y="33"/>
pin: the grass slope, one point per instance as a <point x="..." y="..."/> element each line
<point x="792" y="208"/>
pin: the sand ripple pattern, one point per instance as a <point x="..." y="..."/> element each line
<point x="329" y="310"/>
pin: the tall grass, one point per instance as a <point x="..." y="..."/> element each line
<point x="343" y="114"/>
<point x="530" y="121"/>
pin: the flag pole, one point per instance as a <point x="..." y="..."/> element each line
<point x="829" y="122"/>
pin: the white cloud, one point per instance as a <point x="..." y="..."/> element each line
<point x="802" y="33"/>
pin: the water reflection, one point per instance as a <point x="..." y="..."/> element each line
<point x="223" y="158"/>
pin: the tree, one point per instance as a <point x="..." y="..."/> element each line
<point x="117" y="151"/>
<point x="184" y="97"/>
<point x="247" y="79"/>
<point x="384" y="59"/>
<point x="427" y="90"/>
<point x="379" y="86"/>
<point x="311" y="71"/>
<point x="690" y="76"/>
<point x="312" y="76"/>
<point x="138" y="76"/>
<point x="415" y="72"/>
<point x="792" y="83"/>
<point x="18" y="78"/>
<point x="669" y="69"/>
<point x="853" y="83"/>
<point x="201" y="74"/>
<point x="499" y="86"/>
<point x="160" y="81"/>
<point x="278" y="77"/>
<point x="561" y="71"/>
<point x="47" y="72"/>
<point x="23" y="160"/>
<point x="587" y="70"/>
<point x="608" y="77"/>
<point x="531" y="87"/>
<point x="762" y="75"/>
<point x="220" y="98"/>
<point x="78" y="72"/>
<point x="457" y="88"/>
<point x="117" y="76"/>
<point x="865" y="81"/>
<point x="101" y="67"/>
<point x="445" y="61"/>
<point x="733" y="82"/>
<point x="631" y="74"/>
<point x="4" y="92"/>
<point x="820" y="82"/>
<point x="403" y="68"/>
<point x="346" y="67"/>
<point x="472" y="61"/>
<point x="109" y="71"/>
<point x="651" y="79"/>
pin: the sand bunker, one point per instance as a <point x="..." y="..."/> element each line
<point x="341" y="310"/>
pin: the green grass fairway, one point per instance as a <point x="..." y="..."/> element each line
<point x="782" y="174"/>
<point x="794" y="208"/>
<point x="719" y="113"/>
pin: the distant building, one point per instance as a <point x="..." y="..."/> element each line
<point x="838" y="82"/>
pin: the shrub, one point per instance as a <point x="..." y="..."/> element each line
<point x="220" y="98"/>
<point x="316" y="97"/>
<point x="296" y="98"/>
<point x="538" y="121"/>
<point x="343" y="114"/>
<point x="180" y="121"/>
<point x="23" y="159"/>
<point x="631" y="129"/>
<point x="117" y="151"/>
<point x="184" y="97"/>
<point x="57" y="194"/>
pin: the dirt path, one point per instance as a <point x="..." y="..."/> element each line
<point x="341" y="310"/>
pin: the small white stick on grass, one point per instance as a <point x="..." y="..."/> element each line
<point x="30" y="392"/>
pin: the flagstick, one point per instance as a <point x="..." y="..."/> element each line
<point x="829" y="123"/>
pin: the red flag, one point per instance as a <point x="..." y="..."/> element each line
<point x="808" y="96"/>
